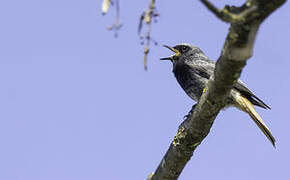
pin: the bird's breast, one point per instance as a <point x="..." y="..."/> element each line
<point x="190" y="80"/>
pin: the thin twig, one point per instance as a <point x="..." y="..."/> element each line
<point x="117" y="23"/>
<point x="147" y="18"/>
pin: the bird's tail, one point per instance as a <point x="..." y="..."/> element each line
<point x="248" y="107"/>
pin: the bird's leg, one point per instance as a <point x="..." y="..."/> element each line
<point x="190" y="112"/>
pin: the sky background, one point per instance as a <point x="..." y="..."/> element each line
<point x="75" y="102"/>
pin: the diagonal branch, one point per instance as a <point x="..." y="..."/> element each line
<point x="238" y="47"/>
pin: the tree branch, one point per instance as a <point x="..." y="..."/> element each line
<point x="238" y="47"/>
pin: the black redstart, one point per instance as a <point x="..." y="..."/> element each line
<point x="193" y="69"/>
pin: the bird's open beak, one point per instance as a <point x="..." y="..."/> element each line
<point x="177" y="53"/>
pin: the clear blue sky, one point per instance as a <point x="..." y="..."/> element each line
<point x="75" y="103"/>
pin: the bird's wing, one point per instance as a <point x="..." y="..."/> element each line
<point x="246" y="92"/>
<point x="206" y="69"/>
<point x="203" y="68"/>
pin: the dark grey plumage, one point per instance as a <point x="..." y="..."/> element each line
<point x="193" y="69"/>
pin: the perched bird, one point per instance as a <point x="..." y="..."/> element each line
<point x="193" y="69"/>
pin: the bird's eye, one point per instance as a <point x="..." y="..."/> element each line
<point x="184" y="48"/>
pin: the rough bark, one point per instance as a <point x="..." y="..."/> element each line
<point x="238" y="47"/>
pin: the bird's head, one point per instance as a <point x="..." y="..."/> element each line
<point x="183" y="52"/>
